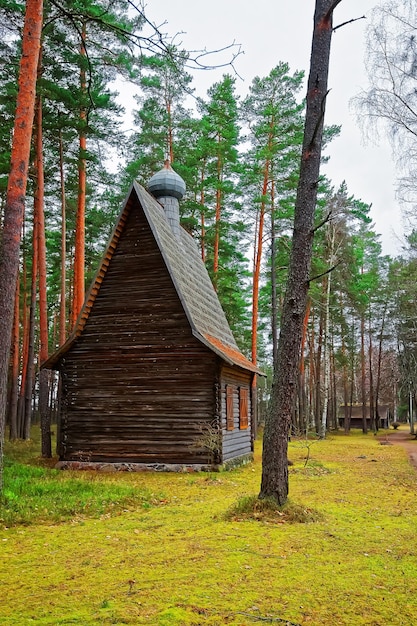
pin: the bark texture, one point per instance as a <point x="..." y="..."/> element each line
<point x="16" y="190"/>
<point x="43" y="304"/>
<point x="286" y="368"/>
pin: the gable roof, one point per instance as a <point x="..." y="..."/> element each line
<point x="190" y="278"/>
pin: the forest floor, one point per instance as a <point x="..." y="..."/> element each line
<point x="185" y="552"/>
<point x="406" y="440"/>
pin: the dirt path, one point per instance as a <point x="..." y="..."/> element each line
<point x="407" y="441"/>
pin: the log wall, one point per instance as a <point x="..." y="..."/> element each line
<point x="137" y="386"/>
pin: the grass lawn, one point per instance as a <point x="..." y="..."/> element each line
<point x="163" y="549"/>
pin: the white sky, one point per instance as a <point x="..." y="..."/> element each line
<point x="271" y="31"/>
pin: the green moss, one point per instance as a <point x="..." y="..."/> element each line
<point x="251" y="507"/>
<point x="185" y="560"/>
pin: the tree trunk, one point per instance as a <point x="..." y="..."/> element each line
<point x="312" y="374"/>
<point x="363" y="370"/>
<point x="28" y="399"/>
<point x="378" y="374"/>
<point x="46" y="448"/>
<point x="303" y="404"/>
<point x="274" y="303"/>
<point x="352" y="373"/>
<point x="62" y="307"/>
<point x="79" y="254"/>
<point x="274" y="460"/>
<point x="372" y="422"/>
<point x="326" y="338"/>
<point x="318" y="361"/>
<point x="217" y="218"/>
<point x="203" y="226"/>
<point x="411" y="409"/>
<point x="334" y="407"/>
<point x="14" y="383"/>
<point x="257" y="265"/>
<point x="344" y="374"/>
<point x="24" y="359"/>
<point x="15" y="195"/>
<point x="170" y="139"/>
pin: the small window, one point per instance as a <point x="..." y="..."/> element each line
<point x="229" y="407"/>
<point x="243" y="408"/>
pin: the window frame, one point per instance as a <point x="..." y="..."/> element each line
<point x="243" y="408"/>
<point x="230" y="395"/>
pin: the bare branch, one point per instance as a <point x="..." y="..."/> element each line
<point x="159" y="40"/>
<point x="156" y="42"/>
<point x="323" y="222"/>
<point x="310" y="280"/>
<point x="355" y="19"/>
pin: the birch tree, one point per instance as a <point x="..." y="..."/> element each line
<point x="390" y="102"/>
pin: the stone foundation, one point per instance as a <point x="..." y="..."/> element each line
<point x="153" y="467"/>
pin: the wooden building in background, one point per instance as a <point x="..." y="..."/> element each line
<point x="151" y="376"/>
<point x="356" y="419"/>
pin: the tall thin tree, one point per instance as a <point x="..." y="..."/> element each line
<point x="16" y="190"/>
<point x="286" y="368"/>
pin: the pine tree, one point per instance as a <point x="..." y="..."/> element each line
<point x="274" y="461"/>
<point x="164" y="83"/>
<point x="274" y="118"/>
<point x="14" y="206"/>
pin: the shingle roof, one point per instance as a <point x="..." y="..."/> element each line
<point x="189" y="275"/>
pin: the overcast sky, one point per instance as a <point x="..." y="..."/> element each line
<point x="270" y="31"/>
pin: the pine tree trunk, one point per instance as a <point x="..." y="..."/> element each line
<point x="344" y="374"/>
<point x="203" y="226"/>
<point x="274" y="460"/>
<point x="352" y="374"/>
<point x="274" y="303"/>
<point x="170" y="140"/>
<point x="302" y="393"/>
<point x="62" y="307"/>
<point x="79" y="253"/>
<point x="15" y="195"/>
<point x="334" y="418"/>
<point x="257" y="265"/>
<point x="24" y="359"/>
<point x="217" y="219"/>
<point x="378" y="375"/>
<point x="46" y="448"/>
<point x="363" y="379"/>
<point x="318" y="362"/>
<point x="312" y="376"/>
<point x="326" y="339"/>
<point x="372" y="423"/>
<point x="30" y="366"/>
<point x="14" y="382"/>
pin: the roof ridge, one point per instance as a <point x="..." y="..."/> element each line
<point x="191" y="280"/>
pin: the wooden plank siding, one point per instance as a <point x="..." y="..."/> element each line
<point x="237" y="441"/>
<point x="137" y="385"/>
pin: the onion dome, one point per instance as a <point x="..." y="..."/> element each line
<point x="167" y="183"/>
